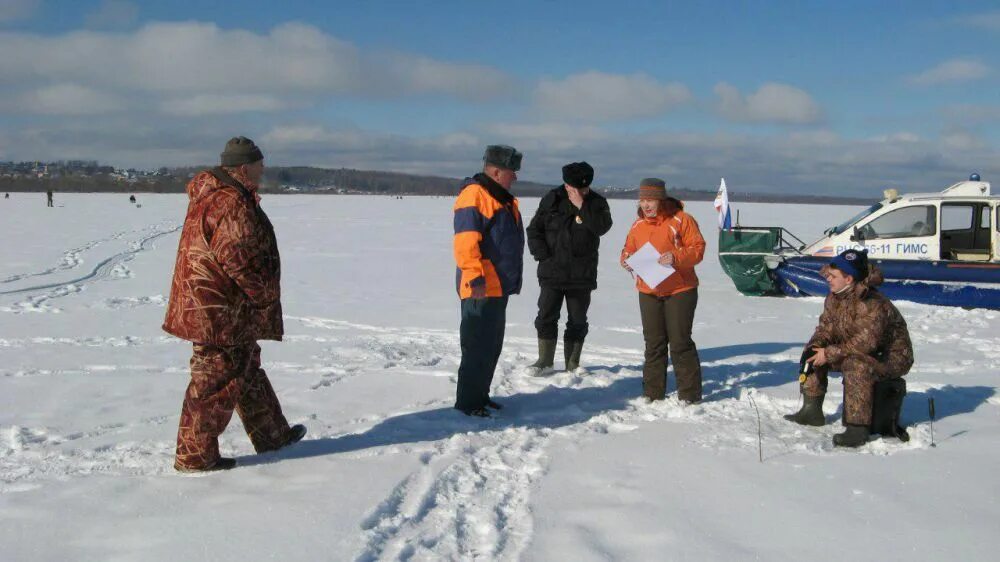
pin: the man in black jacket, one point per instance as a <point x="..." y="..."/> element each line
<point x="564" y="237"/>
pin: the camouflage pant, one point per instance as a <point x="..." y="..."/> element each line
<point x="861" y="372"/>
<point x="223" y="379"/>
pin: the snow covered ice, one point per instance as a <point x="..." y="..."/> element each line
<point x="575" y="467"/>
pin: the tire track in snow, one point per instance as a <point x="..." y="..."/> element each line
<point x="102" y="270"/>
<point x="71" y="259"/>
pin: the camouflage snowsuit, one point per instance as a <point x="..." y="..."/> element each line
<point x="225" y="296"/>
<point x="866" y="339"/>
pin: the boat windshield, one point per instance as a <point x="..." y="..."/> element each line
<point x="842" y="227"/>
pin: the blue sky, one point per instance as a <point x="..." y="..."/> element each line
<point x="819" y="97"/>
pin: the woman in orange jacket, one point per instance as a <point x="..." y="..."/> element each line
<point x="667" y="310"/>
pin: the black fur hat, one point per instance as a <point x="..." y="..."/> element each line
<point x="578" y="174"/>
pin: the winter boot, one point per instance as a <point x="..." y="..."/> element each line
<point x="546" y="357"/>
<point x="296" y="433"/>
<point x="853" y="436"/>
<point x="571" y="352"/>
<point x="224" y="463"/>
<point x="811" y="412"/>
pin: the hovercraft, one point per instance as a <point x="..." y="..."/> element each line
<point x="933" y="248"/>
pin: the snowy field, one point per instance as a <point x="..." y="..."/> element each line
<point x="574" y="468"/>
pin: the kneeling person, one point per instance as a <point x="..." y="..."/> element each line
<point x="860" y="334"/>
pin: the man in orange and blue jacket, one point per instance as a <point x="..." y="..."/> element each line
<point x="489" y="253"/>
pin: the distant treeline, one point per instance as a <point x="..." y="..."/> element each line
<point x="302" y="179"/>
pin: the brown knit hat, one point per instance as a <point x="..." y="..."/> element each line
<point x="653" y="188"/>
<point x="239" y="151"/>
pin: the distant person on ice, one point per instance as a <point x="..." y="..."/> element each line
<point x="48" y="199"/>
<point x="226" y="296"/>
<point x="564" y="237"/>
<point x="667" y="310"/>
<point x="860" y="334"/>
<point x="131" y="199"/>
<point x="489" y="250"/>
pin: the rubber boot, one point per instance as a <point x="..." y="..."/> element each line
<point x="546" y="357"/>
<point x="811" y="412"/>
<point x="571" y="352"/>
<point x="853" y="436"/>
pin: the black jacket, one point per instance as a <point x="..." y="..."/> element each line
<point x="564" y="240"/>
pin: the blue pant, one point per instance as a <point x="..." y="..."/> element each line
<point x="482" y="339"/>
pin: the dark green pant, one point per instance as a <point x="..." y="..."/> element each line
<point x="667" y="322"/>
<point x="481" y="335"/>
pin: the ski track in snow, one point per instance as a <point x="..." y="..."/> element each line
<point x="112" y="267"/>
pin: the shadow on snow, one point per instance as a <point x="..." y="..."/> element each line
<point x="556" y="407"/>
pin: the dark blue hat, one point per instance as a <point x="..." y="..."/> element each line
<point x="853" y="263"/>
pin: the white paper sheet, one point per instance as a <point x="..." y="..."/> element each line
<point x="644" y="263"/>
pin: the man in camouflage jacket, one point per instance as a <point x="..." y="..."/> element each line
<point x="860" y="334"/>
<point x="225" y="296"/>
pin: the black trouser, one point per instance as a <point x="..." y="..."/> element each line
<point x="550" y="303"/>
<point x="481" y="339"/>
<point x="667" y="323"/>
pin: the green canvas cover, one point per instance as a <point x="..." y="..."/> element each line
<point x="741" y="254"/>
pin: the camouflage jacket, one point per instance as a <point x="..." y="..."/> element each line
<point x="226" y="287"/>
<point x="862" y="321"/>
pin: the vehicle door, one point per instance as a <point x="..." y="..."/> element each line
<point x="966" y="233"/>
<point x="995" y="255"/>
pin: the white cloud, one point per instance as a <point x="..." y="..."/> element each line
<point x="772" y="103"/>
<point x="209" y="104"/>
<point x="597" y="96"/>
<point x="973" y="114"/>
<point x="13" y="10"/>
<point x="987" y="20"/>
<point x="67" y="99"/>
<point x="113" y="14"/>
<point x="955" y="70"/>
<point x="161" y="62"/>
<point x="808" y="161"/>
<point x="963" y="140"/>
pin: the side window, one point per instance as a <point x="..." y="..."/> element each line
<point x="956" y="217"/>
<point x="984" y="217"/>
<point x="903" y="223"/>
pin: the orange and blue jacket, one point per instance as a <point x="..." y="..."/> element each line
<point x="489" y="239"/>
<point x="678" y="234"/>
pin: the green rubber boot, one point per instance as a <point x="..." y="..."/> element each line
<point x="811" y="412"/>
<point x="571" y="352"/>
<point x="853" y="436"/>
<point x="546" y="357"/>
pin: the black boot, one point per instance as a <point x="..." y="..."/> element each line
<point x="853" y="436"/>
<point x="546" y="357"/>
<point x="224" y="463"/>
<point x="296" y="433"/>
<point x="811" y="412"/>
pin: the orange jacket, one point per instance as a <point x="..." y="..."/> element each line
<point x="678" y="234"/>
<point x="489" y="239"/>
